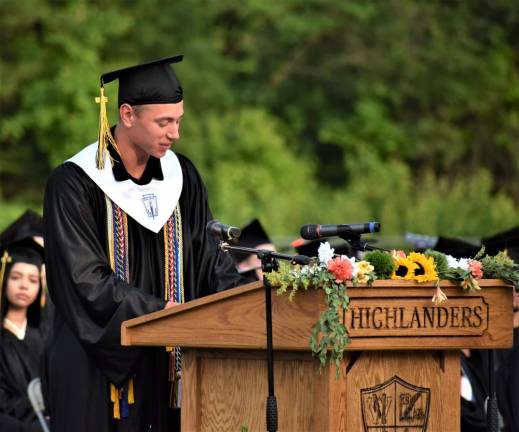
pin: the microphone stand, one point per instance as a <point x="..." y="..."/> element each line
<point x="357" y="243"/>
<point x="268" y="264"/>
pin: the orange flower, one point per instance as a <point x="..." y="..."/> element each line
<point x="476" y="269"/>
<point x="342" y="269"/>
<point x="398" y="253"/>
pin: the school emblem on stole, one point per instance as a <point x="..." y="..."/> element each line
<point x="150" y="204"/>
<point x="395" y="406"/>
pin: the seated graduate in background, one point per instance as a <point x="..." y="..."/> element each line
<point x="474" y="363"/>
<point x="252" y="236"/>
<point x="475" y="385"/>
<point x="507" y="380"/>
<point x="474" y="390"/>
<point x="30" y="225"/>
<point x="21" y="339"/>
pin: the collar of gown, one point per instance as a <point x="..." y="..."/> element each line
<point x="153" y="170"/>
<point x="19" y="332"/>
<point x="151" y="200"/>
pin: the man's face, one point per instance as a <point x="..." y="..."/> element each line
<point x="155" y="127"/>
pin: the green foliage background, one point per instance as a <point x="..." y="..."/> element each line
<point x="297" y="111"/>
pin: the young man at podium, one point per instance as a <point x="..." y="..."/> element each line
<point x="125" y="236"/>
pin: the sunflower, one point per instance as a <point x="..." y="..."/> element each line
<point x="425" y="270"/>
<point x="404" y="268"/>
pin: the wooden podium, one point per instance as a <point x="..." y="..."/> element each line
<point x="401" y="372"/>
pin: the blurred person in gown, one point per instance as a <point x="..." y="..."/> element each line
<point x="21" y="336"/>
<point x="253" y="236"/>
<point x="30" y="226"/>
<point x="474" y="363"/>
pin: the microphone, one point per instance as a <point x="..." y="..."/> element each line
<point x="222" y="231"/>
<point x="312" y="232"/>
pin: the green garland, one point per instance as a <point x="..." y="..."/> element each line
<point x="329" y="336"/>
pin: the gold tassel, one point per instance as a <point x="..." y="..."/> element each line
<point x="105" y="135"/>
<point x="43" y="297"/>
<point x="131" y="396"/>
<point x="114" y="397"/>
<point x="5" y="259"/>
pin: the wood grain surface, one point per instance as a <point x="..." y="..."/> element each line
<point x="227" y="389"/>
<point x="236" y="319"/>
<point x="400" y="373"/>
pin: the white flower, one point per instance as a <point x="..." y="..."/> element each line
<point x="355" y="270"/>
<point x="325" y="252"/>
<point x="462" y="263"/>
<point x="307" y="270"/>
<point x="451" y="261"/>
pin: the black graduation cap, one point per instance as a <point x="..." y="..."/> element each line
<point x="506" y="240"/>
<point x="311" y="247"/>
<point x="26" y="251"/>
<point x="28" y="225"/>
<point x="252" y="235"/>
<point x="153" y="82"/>
<point x="456" y="247"/>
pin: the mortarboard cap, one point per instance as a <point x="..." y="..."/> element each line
<point x="506" y="240"/>
<point x="310" y="247"/>
<point x="153" y="82"/>
<point x="252" y="235"/>
<point x="25" y="251"/>
<point x="456" y="247"/>
<point x="28" y="225"/>
<point x="17" y="243"/>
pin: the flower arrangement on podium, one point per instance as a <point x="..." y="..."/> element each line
<point x="334" y="273"/>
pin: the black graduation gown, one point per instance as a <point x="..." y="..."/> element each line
<point x="507" y="385"/>
<point x="85" y="354"/>
<point x="473" y="415"/>
<point x="19" y="364"/>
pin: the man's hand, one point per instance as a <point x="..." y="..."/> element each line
<point x="170" y="304"/>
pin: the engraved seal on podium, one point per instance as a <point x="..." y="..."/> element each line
<point x="395" y="406"/>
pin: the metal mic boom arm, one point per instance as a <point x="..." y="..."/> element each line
<point x="260" y="253"/>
